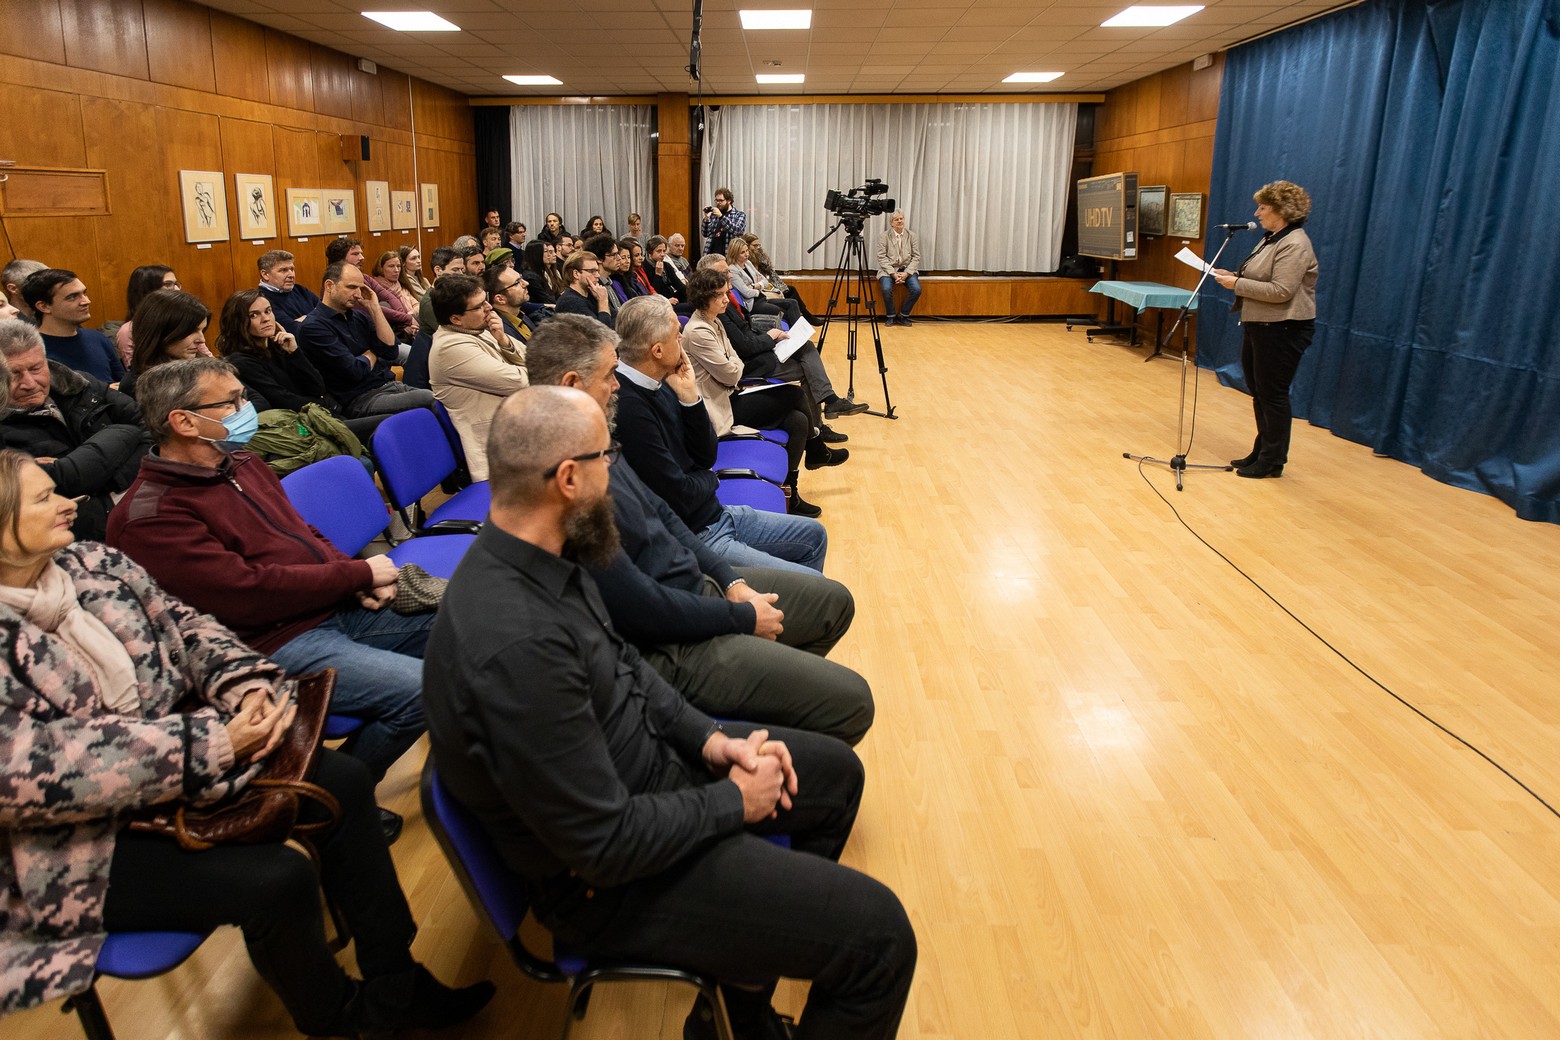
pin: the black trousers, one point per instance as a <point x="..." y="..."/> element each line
<point x="782" y="408"/>
<point x="272" y="893"/>
<point x="744" y="910"/>
<point x="1270" y="355"/>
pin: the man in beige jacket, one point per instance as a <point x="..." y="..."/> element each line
<point x="474" y="364"/>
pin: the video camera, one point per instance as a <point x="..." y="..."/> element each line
<point x="859" y="203"/>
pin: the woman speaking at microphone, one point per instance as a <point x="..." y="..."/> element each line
<point x="1275" y="300"/>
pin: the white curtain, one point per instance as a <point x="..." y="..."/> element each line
<point x="984" y="186"/>
<point x="582" y="160"/>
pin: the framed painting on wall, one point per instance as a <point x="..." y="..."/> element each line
<point x="403" y="210"/>
<point x="204" y="201"/>
<point x="430" y="205"/>
<point x="340" y="211"/>
<point x="1151" y="209"/>
<point x="378" y="205"/>
<point x="1186" y="214"/>
<point x="305" y="214"/>
<point x="256" y="198"/>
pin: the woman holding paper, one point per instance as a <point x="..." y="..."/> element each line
<point x="1275" y="300"/>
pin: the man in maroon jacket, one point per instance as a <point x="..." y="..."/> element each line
<point x="214" y="527"/>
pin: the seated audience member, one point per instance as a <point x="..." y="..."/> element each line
<point x="412" y="281"/>
<point x="11" y="278"/>
<point x="275" y="373"/>
<point x="445" y="260"/>
<point x="722" y="223"/>
<point x="345" y="250"/>
<point x="758" y="353"/>
<point x="473" y="366"/>
<point x="636" y="275"/>
<point x="476" y="260"/>
<point x="752" y="288"/>
<point x="585" y="294"/>
<point x="143" y="281"/>
<point x="489" y="239"/>
<point x="635" y="819"/>
<point x="719" y="369"/>
<point x="509" y="293"/>
<point x="385" y="282"/>
<point x="676" y="254"/>
<point x="212" y="524"/>
<point x="351" y="349"/>
<point x="565" y="248"/>
<point x="514" y="236"/>
<point x="715" y="632"/>
<point x="88" y="438"/>
<point x="170" y="325"/>
<point x="59" y="301"/>
<point x="552" y="229"/>
<point x="665" y="277"/>
<point x="105" y="666"/>
<point x="491" y="219"/>
<point x="636" y="229"/>
<point x="279" y="282"/>
<point x="535" y="267"/>
<point x="595" y="226"/>
<point x="613" y="261"/>
<point x="9" y="313"/>
<point x="766" y="267"/>
<point x="501" y="257"/>
<point x="899" y="263"/>
<point x="669" y="440"/>
<point x="463" y="243"/>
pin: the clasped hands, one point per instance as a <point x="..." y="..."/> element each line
<point x="761" y="768"/>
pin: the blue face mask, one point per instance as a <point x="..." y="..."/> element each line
<point x="241" y="427"/>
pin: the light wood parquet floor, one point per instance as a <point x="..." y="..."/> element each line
<point x="1120" y="792"/>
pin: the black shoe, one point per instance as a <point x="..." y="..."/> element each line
<point x="1242" y="463"/>
<point x="796" y="505"/>
<point x="889" y="319"/>
<point x="904" y="319"/>
<point x="416" y="1000"/>
<point x="1259" y="470"/>
<point x="843" y="406"/>
<point x="828" y="436"/>
<point x="390" y="823"/>
<point x="821" y="456"/>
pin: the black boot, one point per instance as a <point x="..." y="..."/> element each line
<point x="416" y="1000"/>
<point x="827" y="434"/>
<point x="820" y="455"/>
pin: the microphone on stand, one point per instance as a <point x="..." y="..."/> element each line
<point x="1250" y="225"/>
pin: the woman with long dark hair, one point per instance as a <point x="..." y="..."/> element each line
<point x="144" y="281"/>
<point x="170" y="325"/>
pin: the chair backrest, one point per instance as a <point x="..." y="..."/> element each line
<point x="413" y="454"/>
<point x="338" y="497"/>
<point x="450" y="432"/>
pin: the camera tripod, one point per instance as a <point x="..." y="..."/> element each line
<point x="853" y="277"/>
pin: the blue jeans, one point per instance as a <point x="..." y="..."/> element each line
<point x="912" y="283"/>
<point x="748" y="537"/>
<point x="377" y="655"/>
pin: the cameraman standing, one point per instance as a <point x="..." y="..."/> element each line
<point x="899" y="263"/>
<point x="722" y="222"/>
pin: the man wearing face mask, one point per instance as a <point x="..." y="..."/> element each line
<point x="212" y="524"/>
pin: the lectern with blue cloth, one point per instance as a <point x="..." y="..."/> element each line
<point x="1141" y="296"/>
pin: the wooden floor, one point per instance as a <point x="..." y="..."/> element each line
<point x="1119" y="791"/>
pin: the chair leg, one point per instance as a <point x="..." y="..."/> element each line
<point x="89" y="1011"/>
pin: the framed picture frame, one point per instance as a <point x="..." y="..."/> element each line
<point x="1152" y="209"/>
<point x="1186" y="210"/>
<point x="403" y="210"/>
<point x="255" y="198"/>
<point x="378" y="209"/>
<point x="305" y="212"/>
<point x="203" y="197"/>
<point x="340" y="211"/>
<point x="430" y="205"/>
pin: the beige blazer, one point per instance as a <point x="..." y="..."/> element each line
<point x="717" y="366"/>
<point x="472" y="376"/>
<point x="1278" y="283"/>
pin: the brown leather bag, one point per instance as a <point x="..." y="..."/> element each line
<point x="266" y="810"/>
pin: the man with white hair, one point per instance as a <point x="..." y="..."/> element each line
<point x="899" y="263"/>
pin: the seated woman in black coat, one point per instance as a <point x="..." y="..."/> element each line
<point x="536" y="267"/>
<point x="168" y="325"/>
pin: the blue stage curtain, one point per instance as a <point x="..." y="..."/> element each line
<point x="1428" y="135"/>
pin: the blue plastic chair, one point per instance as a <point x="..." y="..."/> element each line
<point x="499" y="897"/>
<point x="762" y="457"/>
<point x="452" y="435"/>
<point x="751" y="490"/>
<point x="130" y="955"/>
<point x="339" y="499"/>
<point x="414" y="456"/>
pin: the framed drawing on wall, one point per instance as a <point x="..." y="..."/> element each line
<point x="403" y="210"/>
<point x="430" y="205"/>
<point x="1186" y="214"/>
<point x="378" y="205"/>
<point x="1151" y="209"/>
<point x="304" y="216"/>
<point x="340" y="211"/>
<point x="204" y="201"/>
<point x="256" y="200"/>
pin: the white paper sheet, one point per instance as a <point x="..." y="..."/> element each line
<point x="1192" y="260"/>
<point x="794" y="340"/>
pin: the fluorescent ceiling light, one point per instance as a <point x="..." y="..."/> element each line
<point x="797" y="78"/>
<point x="776" y="19"/>
<point x="1033" y="77"/>
<point x="1150" y="16"/>
<point x="534" y="81"/>
<point x="412" y="21"/>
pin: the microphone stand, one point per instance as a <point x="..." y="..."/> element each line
<point x="1177" y="462"/>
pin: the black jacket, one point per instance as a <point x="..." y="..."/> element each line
<point x="756" y="348"/>
<point x="96" y="450"/>
<point x="282" y="380"/>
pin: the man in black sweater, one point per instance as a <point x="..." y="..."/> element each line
<point x="585" y="293"/>
<point x="737" y="642"/>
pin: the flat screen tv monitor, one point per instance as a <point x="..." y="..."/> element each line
<point x="1107" y="216"/>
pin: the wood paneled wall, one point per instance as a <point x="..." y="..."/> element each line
<point x="146" y="88"/>
<point x="1162" y="127"/>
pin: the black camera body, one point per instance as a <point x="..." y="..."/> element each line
<point x="859" y="203"/>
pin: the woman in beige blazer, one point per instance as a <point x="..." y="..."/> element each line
<point x="1275" y="300"/>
